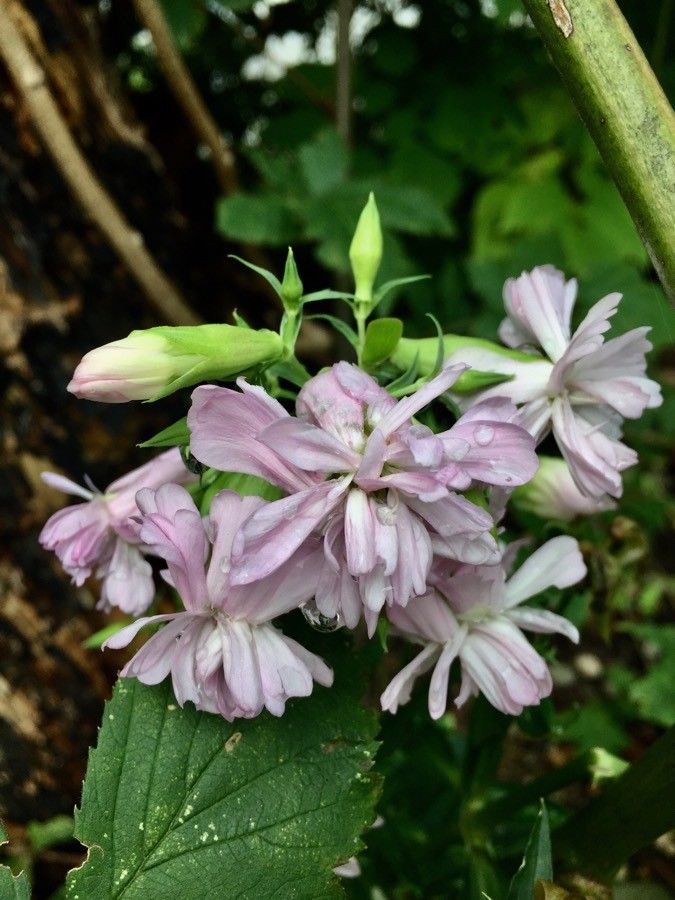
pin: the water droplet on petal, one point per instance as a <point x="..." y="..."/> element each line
<point x="319" y="622"/>
<point x="484" y="435"/>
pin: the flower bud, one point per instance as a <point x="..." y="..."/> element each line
<point x="552" y="494"/>
<point x="291" y="286"/>
<point x="365" y="251"/>
<point x="151" y="364"/>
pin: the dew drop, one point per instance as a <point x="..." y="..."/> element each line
<point x="484" y="435"/>
<point x="319" y="622"/>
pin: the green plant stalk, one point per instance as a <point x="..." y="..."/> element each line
<point x="631" y="813"/>
<point x="624" y="108"/>
<point x="499" y="810"/>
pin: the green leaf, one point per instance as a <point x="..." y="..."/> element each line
<point x="12" y="887"/>
<point x="186" y="20"/>
<point x="178" y="803"/>
<point x="327" y="294"/>
<point x="176" y="435"/>
<point x="260" y="219"/>
<point x="345" y="330"/>
<point x="54" y="831"/>
<point x="382" y="336"/>
<point x="537" y="863"/>
<point x="323" y="162"/>
<point x="652" y="694"/>
<point x="388" y="286"/>
<point x="269" y="277"/>
<point x="405" y="379"/>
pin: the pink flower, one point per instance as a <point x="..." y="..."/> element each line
<point x="378" y="488"/>
<point x="585" y="387"/>
<point x="222" y="653"/>
<point x="474" y="613"/>
<point x="99" y="535"/>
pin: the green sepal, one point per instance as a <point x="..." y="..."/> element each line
<point x="246" y="485"/>
<point x="176" y="435"/>
<point x="215" y="352"/>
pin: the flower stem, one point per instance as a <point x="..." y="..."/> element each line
<point x="625" y="110"/>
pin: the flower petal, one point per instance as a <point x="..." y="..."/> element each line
<point x="556" y="563"/>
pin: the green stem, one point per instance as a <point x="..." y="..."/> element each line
<point x="361" y="310"/>
<point x="625" y="110"/>
<point x="631" y="813"/>
<point x="517" y="797"/>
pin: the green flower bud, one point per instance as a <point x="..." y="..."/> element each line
<point x="153" y="363"/>
<point x="291" y="286"/>
<point x="365" y="251"/>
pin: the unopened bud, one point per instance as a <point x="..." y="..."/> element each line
<point x="552" y="494"/>
<point x="291" y="286"/>
<point x="365" y="251"/>
<point x="151" y="364"/>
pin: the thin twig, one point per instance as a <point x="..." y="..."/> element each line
<point x="30" y="82"/>
<point x="185" y="91"/>
<point x="343" y="72"/>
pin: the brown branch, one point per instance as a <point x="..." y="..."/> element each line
<point x="185" y="91"/>
<point x="29" y="79"/>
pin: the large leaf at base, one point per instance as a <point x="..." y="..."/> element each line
<point x="12" y="887"/>
<point x="180" y="804"/>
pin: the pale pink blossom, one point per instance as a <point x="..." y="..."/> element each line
<point x="583" y="387"/>
<point x="380" y="489"/>
<point x="99" y="536"/>
<point x="222" y="652"/>
<point x="475" y="614"/>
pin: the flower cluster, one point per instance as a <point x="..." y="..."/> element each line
<point x="387" y="511"/>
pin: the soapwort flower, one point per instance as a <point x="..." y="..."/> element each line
<point x="379" y="489"/>
<point x="222" y="652"/>
<point x="584" y="386"/>
<point x="475" y="614"/>
<point x="100" y="536"/>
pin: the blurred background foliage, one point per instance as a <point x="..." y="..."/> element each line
<point x="481" y="168"/>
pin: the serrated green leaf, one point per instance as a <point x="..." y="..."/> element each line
<point x="537" y="864"/>
<point x="176" y="435"/>
<point x="178" y="803"/>
<point x="12" y="887"/>
<point x="382" y="336"/>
